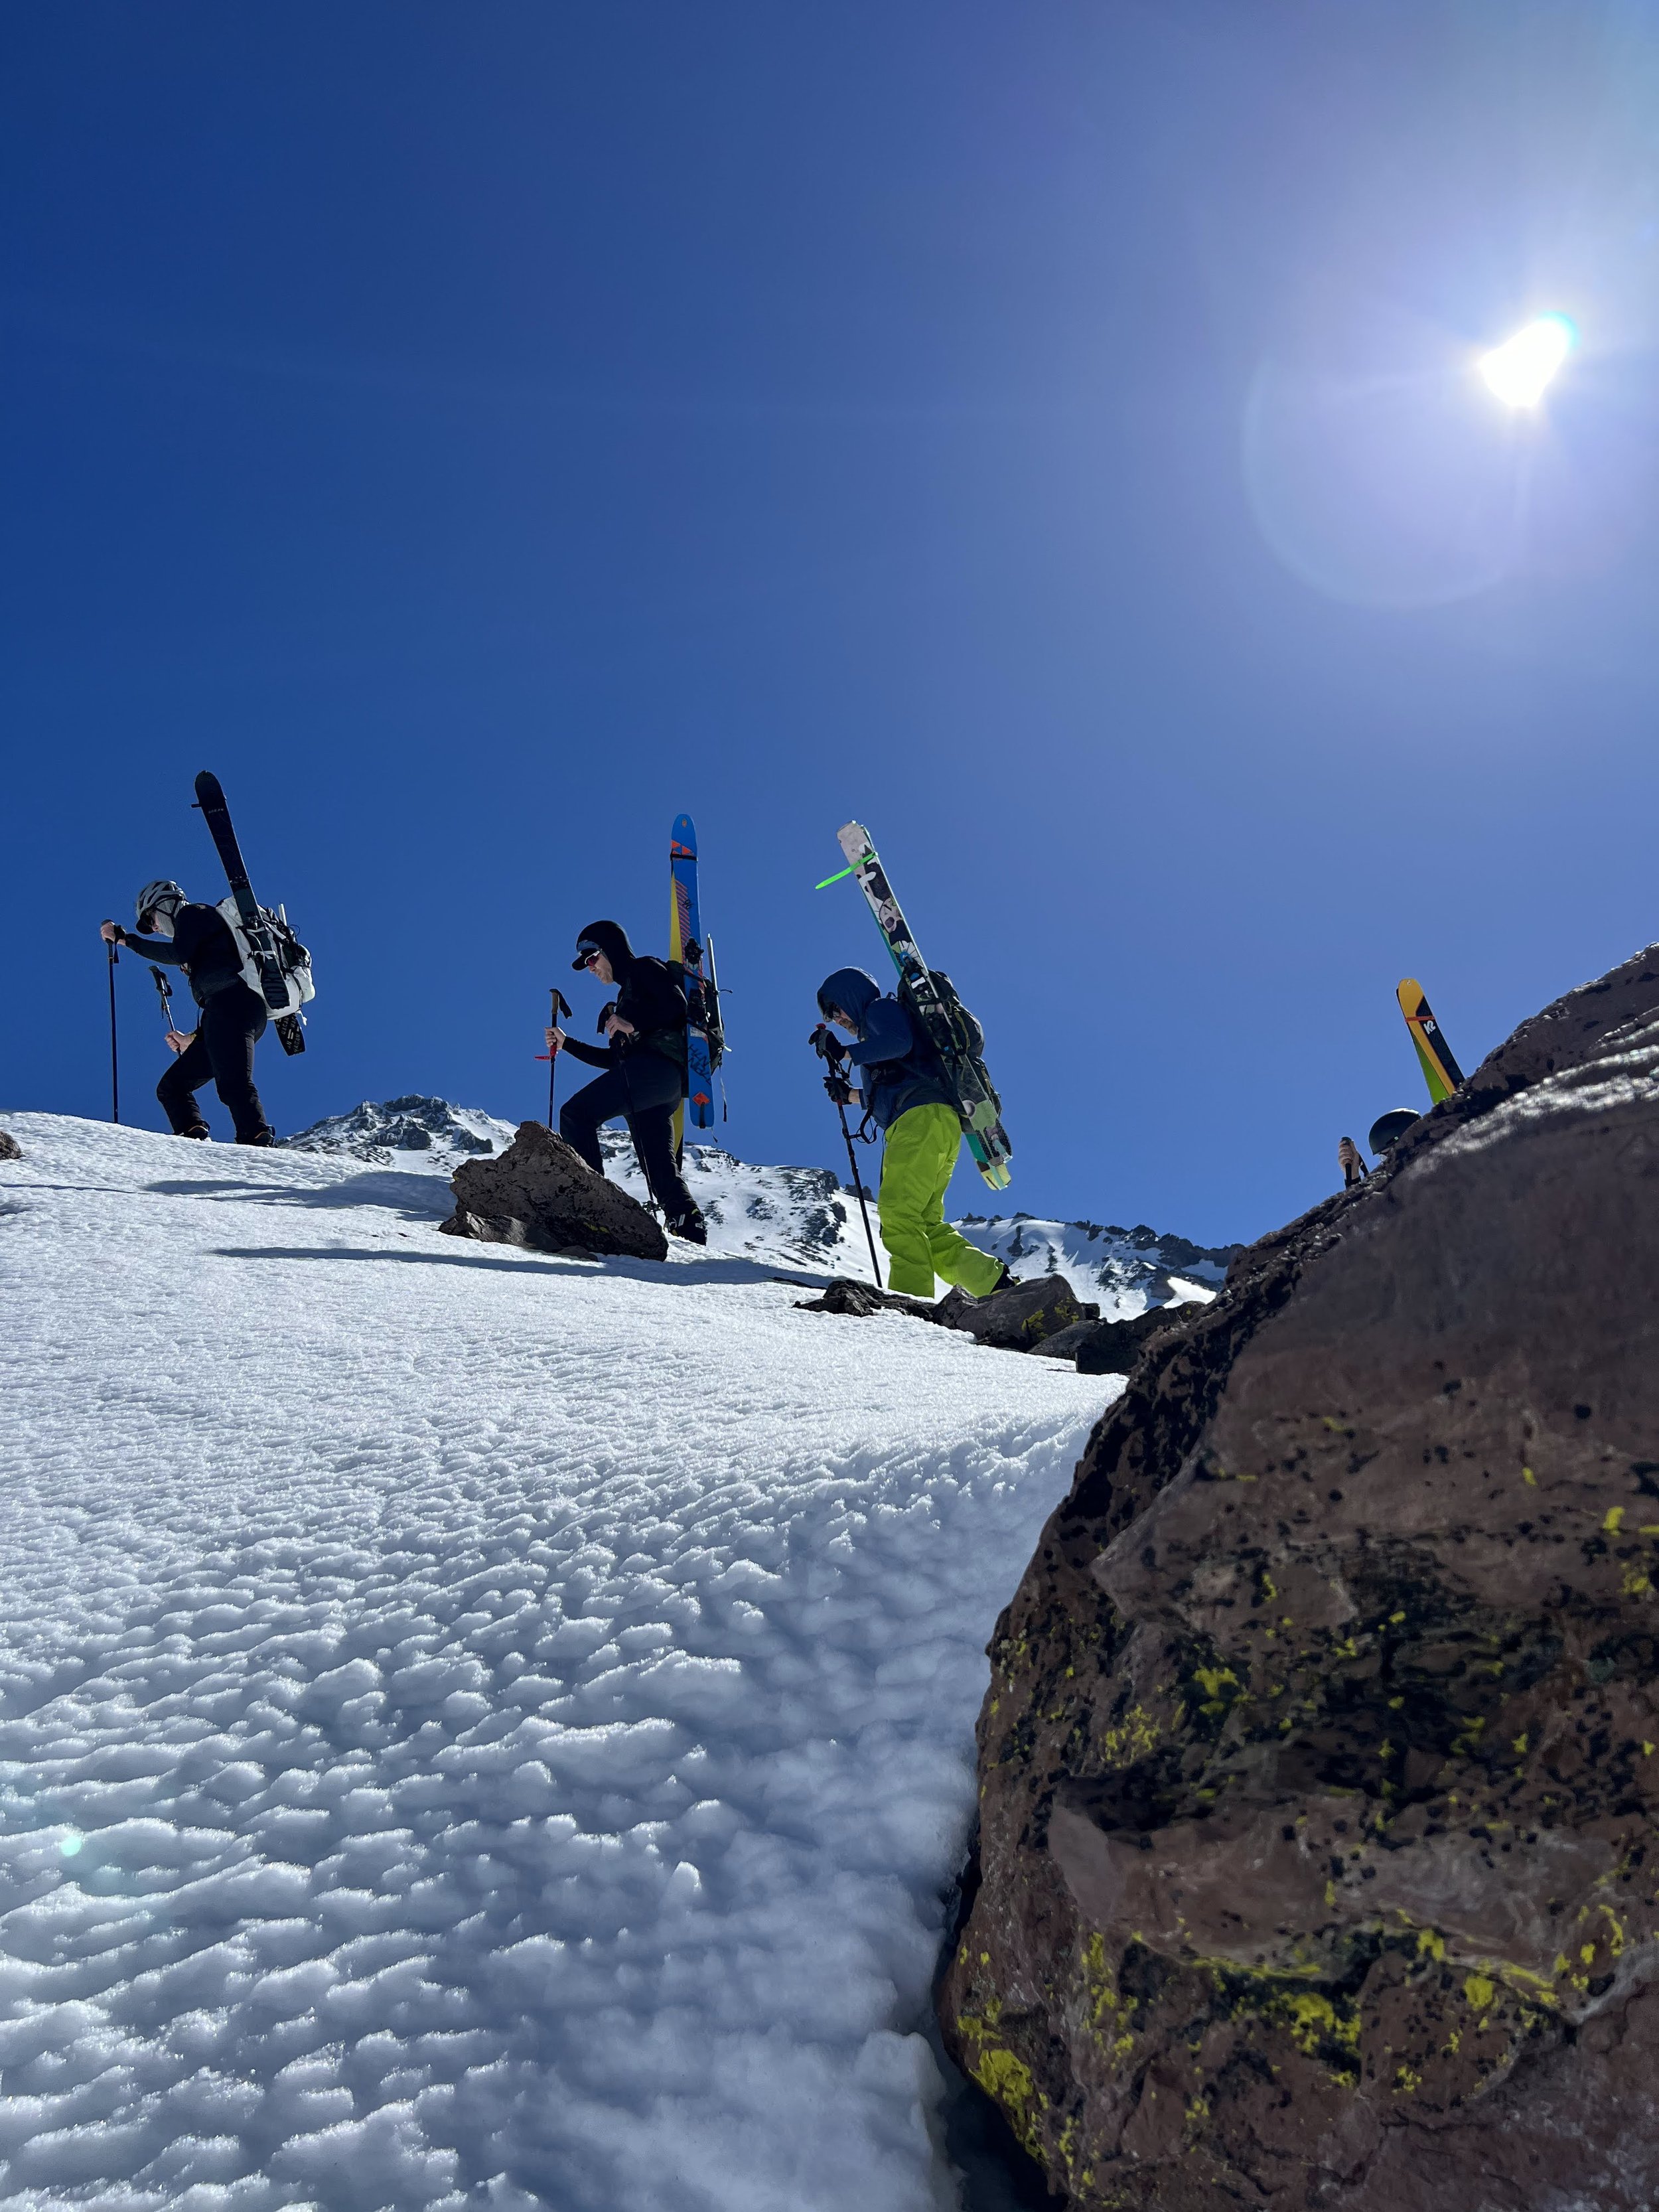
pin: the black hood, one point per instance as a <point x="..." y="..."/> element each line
<point x="611" y="939"/>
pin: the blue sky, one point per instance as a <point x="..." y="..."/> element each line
<point x="1046" y="433"/>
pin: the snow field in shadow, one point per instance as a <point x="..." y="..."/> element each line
<point x="475" y="1729"/>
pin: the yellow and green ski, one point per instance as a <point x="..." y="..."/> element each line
<point x="1440" y="1071"/>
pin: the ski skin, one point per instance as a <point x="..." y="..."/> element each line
<point x="685" y="945"/>
<point x="211" y="801"/>
<point x="988" y="1140"/>
<point x="1434" y="1055"/>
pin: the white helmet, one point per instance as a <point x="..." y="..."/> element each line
<point x="160" y="900"/>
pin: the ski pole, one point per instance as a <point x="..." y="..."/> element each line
<point x="114" y="1057"/>
<point x="561" y="1005"/>
<point x="164" y="992"/>
<point x="857" y="1187"/>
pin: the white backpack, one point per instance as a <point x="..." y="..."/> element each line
<point x="292" y="959"/>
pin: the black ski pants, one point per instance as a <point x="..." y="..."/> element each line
<point x="232" y="1023"/>
<point x="644" y="1090"/>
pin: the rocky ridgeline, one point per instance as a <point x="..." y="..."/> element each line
<point x="1125" y="1271"/>
<point x="412" y="1132"/>
<point x="1318" y="1861"/>
<point x="797" y="1217"/>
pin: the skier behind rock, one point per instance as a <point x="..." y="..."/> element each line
<point x="904" y="1093"/>
<point x="197" y="939"/>
<point x="1388" y="1128"/>
<point x="644" y="1064"/>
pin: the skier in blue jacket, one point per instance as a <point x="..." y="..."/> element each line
<point x="904" y="1093"/>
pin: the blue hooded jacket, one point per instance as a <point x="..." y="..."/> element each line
<point x="900" y="1068"/>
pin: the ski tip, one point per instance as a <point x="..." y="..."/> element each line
<point x="683" y="837"/>
<point x="1408" y="991"/>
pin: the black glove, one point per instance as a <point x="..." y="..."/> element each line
<point x="839" y="1089"/>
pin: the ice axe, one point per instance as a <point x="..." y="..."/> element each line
<point x="561" y="1005"/>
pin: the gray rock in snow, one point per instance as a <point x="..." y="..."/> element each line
<point x="9" y="1147"/>
<point x="541" y="1193"/>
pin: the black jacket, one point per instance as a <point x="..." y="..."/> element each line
<point x="648" y="994"/>
<point x="202" y="945"/>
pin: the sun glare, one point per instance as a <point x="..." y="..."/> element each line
<point x="1519" y="371"/>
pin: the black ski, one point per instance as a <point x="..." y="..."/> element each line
<point x="257" y="930"/>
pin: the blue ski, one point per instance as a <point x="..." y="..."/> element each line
<point x="685" y="945"/>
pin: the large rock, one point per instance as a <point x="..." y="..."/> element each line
<point x="542" y="1194"/>
<point x="1018" y="1318"/>
<point x="1014" y="1319"/>
<point x="1112" y="1347"/>
<point x="1318" y="1842"/>
<point x="857" y="1301"/>
<point x="9" y="1147"/>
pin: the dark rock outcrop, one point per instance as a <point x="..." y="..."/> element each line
<point x="847" y="1295"/>
<point x="541" y="1193"/>
<point x="1014" y="1319"/>
<point x="1018" y="1318"/>
<point x="1319" y="1848"/>
<point x="9" y="1147"/>
<point x="1112" y="1347"/>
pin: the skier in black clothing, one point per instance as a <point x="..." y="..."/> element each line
<point x="197" y="939"/>
<point x="645" y="1070"/>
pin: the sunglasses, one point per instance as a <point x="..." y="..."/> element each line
<point x="595" y="952"/>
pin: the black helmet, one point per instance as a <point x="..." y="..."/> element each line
<point x="1388" y="1128"/>
<point x="162" y="899"/>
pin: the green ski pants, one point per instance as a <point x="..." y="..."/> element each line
<point x="915" y="1166"/>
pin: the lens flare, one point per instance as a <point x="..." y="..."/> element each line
<point x="1519" y="371"/>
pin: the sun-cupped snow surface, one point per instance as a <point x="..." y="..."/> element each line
<point x="477" y="1729"/>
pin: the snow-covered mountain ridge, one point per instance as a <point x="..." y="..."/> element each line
<point x="796" y="1217"/>
<point x="1126" y="1270"/>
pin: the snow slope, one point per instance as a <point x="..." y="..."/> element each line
<point x="476" y="1729"/>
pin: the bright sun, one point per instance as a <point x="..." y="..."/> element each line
<point x="1519" y="370"/>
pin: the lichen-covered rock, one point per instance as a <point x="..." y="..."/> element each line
<point x="1319" y="1853"/>
<point x="1016" y="1319"/>
<point x="553" y="1197"/>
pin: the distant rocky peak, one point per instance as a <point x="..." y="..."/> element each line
<point x="407" y="1127"/>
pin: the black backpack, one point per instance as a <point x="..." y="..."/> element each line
<point x="703" y="1007"/>
<point x="958" y="1041"/>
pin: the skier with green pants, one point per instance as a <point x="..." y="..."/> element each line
<point x="903" y="1091"/>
